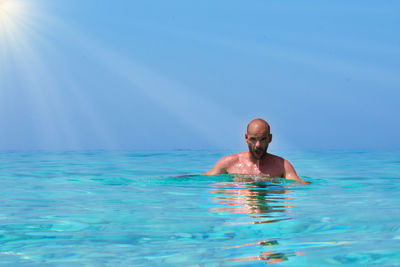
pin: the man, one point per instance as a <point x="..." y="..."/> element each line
<point x="257" y="161"/>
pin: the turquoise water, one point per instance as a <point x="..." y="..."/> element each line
<point x="125" y="209"/>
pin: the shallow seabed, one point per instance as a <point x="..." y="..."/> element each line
<point x="125" y="209"/>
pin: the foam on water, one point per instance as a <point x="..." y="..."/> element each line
<point x="128" y="208"/>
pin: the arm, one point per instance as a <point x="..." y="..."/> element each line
<point x="290" y="173"/>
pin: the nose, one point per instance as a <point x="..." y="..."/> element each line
<point x="258" y="144"/>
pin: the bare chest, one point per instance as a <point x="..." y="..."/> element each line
<point x="271" y="169"/>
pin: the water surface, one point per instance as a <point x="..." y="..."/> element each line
<point x="126" y="208"/>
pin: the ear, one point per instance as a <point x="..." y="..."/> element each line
<point x="246" y="137"/>
<point x="270" y="138"/>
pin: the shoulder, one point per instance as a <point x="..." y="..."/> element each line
<point x="223" y="164"/>
<point x="276" y="158"/>
<point x="287" y="163"/>
<point x="231" y="159"/>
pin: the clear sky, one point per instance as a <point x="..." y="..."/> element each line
<point x="175" y="74"/>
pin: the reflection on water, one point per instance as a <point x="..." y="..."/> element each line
<point x="261" y="200"/>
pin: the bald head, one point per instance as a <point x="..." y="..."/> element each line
<point x="258" y="126"/>
<point x="258" y="137"/>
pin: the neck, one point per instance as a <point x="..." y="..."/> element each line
<point x="254" y="160"/>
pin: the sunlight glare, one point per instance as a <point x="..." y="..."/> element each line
<point x="9" y="10"/>
<point x="12" y="14"/>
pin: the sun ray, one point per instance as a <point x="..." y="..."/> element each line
<point x="194" y="111"/>
<point x="13" y="12"/>
<point x="22" y="43"/>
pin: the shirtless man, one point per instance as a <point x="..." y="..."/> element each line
<point x="257" y="161"/>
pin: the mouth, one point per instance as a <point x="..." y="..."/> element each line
<point x="258" y="152"/>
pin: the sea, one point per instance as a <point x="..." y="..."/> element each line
<point x="132" y="208"/>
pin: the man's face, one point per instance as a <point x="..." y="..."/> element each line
<point x="258" y="143"/>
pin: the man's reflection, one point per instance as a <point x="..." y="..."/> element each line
<point x="261" y="201"/>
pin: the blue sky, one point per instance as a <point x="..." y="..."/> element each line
<point x="191" y="74"/>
